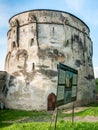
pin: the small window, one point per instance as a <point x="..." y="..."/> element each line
<point x="32" y="42"/>
<point x="53" y="30"/>
<point x="33" y="66"/>
<point x="13" y="45"/>
<point x="14" y="31"/>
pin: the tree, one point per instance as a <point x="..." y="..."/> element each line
<point x="96" y="81"/>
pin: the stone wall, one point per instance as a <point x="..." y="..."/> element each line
<point x="2" y="86"/>
<point x="37" y="41"/>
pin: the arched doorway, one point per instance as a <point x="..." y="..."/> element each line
<point x="51" y="102"/>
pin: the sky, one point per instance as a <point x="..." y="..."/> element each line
<point x="86" y="10"/>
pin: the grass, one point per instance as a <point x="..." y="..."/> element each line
<point x="27" y="126"/>
<point x="11" y="120"/>
<point x="61" y="125"/>
<point x="12" y="115"/>
<point x="92" y="110"/>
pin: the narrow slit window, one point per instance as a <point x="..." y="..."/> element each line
<point x="32" y="42"/>
<point x="13" y="45"/>
<point x="33" y="66"/>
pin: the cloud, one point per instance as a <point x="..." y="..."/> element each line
<point x="96" y="72"/>
<point x="76" y="4"/>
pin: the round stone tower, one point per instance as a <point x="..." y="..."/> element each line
<point x="37" y="41"/>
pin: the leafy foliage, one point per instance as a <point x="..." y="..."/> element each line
<point x="96" y="81"/>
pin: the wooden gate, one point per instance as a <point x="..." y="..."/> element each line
<point x="51" y="102"/>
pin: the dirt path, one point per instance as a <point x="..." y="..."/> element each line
<point x="82" y="119"/>
<point x="76" y="119"/>
<point x="77" y="109"/>
<point x="79" y="118"/>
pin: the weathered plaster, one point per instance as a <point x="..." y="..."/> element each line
<point x="37" y="41"/>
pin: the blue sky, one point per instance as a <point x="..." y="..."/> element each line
<point x="86" y="10"/>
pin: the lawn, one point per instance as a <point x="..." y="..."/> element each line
<point x="61" y="125"/>
<point x="43" y="120"/>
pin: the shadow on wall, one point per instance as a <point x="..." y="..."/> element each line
<point x="6" y="82"/>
